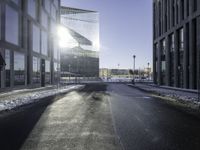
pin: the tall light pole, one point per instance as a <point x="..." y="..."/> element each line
<point x="148" y="69"/>
<point x="134" y="63"/>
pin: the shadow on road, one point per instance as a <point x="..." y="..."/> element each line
<point x="16" y="125"/>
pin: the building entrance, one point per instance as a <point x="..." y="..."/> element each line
<point x="42" y="72"/>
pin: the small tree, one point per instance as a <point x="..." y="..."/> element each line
<point x="131" y="72"/>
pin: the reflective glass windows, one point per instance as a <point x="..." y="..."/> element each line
<point x="44" y="46"/>
<point x="32" y="8"/>
<point x="163" y="62"/>
<point x="47" y="5"/>
<point x="36" y="39"/>
<point x="47" y="72"/>
<point x="56" y="3"/>
<point x="53" y="12"/>
<point x="7" y="67"/>
<point x="19" y="68"/>
<point x="53" y="27"/>
<point x="36" y="70"/>
<point x="55" y="71"/>
<point x="171" y="46"/>
<point x="55" y="51"/>
<point x="44" y="19"/>
<point x="180" y="56"/>
<point x="16" y="1"/>
<point x="12" y="26"/>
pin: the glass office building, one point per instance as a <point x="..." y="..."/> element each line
<point x="28" y="42"/>
<point x="81" y="58"/>
<point x="176" y="44"/>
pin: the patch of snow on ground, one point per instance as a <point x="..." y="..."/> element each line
<point x="13" y="101"/>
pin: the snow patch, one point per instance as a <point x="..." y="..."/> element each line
<point x="15" y="100"/>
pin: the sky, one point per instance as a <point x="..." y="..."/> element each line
<point x="125" y="30"/>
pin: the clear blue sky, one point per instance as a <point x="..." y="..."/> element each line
<point x="125" y="29"/>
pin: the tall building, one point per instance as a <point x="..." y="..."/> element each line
<point x="28" y="43"/>
<point x="176" y="43"/>
<point x="81" y="57"/>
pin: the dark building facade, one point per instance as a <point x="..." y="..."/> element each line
<point x="28" y="43"/>
<point x="176" y="43"/>
<point x="82" y="58"/>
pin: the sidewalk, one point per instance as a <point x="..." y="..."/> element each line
<point x="16" y="98"/>
<point x="173" y="94"/>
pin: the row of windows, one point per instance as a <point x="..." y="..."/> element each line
<point x="12" y="34"/>
<point x="168" y="13"/>
<point x="171" y="59"/>
<point x="19" y="69"/>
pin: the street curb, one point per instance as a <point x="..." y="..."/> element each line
<point x="50" y="98"/>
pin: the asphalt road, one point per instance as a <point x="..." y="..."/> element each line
<point x="146" y="123"/>
<point x="100" y="118"/>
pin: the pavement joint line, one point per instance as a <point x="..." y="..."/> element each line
<point x="114" y="126"/>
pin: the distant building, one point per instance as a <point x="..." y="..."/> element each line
<point x="109" y="73"/>
<point x="28" y="43"/>
<point x="176" y="42"/>
<point x="81" y="58"/>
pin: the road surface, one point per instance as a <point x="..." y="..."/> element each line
<point x="146" y="123"/>
<point x="100" y="118"/>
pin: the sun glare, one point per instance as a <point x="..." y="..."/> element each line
<point x="65" y="40"/>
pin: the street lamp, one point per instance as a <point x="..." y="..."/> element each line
<point x="148" y="70"/>
<point x="134" y="62"/>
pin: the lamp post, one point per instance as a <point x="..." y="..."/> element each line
<point x="134" y="62"/>
<point x="148" y="69"/>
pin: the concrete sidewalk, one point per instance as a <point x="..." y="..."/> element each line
<point x="16" y="98"/>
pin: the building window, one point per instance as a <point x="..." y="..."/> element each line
<point x="36" y="39"/>
<point x="47" y="5"/>
<point x="32" y="8"/>
<point x="55" y="72"/>
<point x="55" y="51"/>
<point x="163" y="62"/>
<point x="19" y="69"/>
<point x="194" y="5"/>
<point x="36" y="70"/>
<point x="44" y="46"/>
<point x="16" y="1"/>
<point x="53" y="27"/>
<point x="56" y="3"/>
<point x="180" y="56"/>
<point x="47" y="72"/>
<point x="7" y="67"/>
<point x="53" y="12"/>
<point x="44" y="20"/>
<point x="12" y="26"/>
<point x="171" y="62"/>
<point x="182" y="9"/>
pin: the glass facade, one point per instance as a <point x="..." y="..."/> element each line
<point x="29" y="31"/>
<point x="44" y="44"/>
<point x="47" y="72"/>
<point x="8" y="67"/>
<point x="163" y="62"/>
<point x="12" y="26"/>
<point x="36" y="70"/>
<point x="19" y="68"/>
<point x="36" y="38"/>
<point x="32" y="8"/>
<point x="83" y="25"/>
<point x="180" y="57"/>
<point x="44" y="19"/>
<point x="171" y="46"/>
